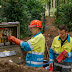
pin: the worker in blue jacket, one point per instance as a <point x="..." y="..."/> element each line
<point x="59" y="44"/>
<point x="35" y="46"/>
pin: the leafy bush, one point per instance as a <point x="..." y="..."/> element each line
<point x="23" y="11"/>
<point x="64" y="15"/>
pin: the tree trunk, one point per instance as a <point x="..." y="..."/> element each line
<point x="53" y="3"/>
<point x="64" y="1"/>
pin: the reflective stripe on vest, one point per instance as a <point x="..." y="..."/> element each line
<point x="69" y="55"/>
<point x="32" y="62"/>
<point x="37" y="53"/>
<point x="21" y="43"/>
<point x="60" y="65"/>
<point x="51" y="59"/>
<point x="30" y="45"/>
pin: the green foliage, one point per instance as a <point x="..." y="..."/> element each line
<point x="64" y="15"/>
<point x="23" y="11"/>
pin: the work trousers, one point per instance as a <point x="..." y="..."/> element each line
<point x="62" y="67"/>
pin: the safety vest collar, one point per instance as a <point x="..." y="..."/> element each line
<point x="36" y="34"/>
<point x="68" y="39"/>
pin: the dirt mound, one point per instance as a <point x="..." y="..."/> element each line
<point x="6" y="66"/>
<point x="50" y="33"/>
<point x="35" y="69"/>
<point x="50" y="20"/>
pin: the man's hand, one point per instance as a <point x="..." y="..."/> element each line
<point x="14" y="39"/>
<point x="11" y="38"/>
<point x="65" y="56"/>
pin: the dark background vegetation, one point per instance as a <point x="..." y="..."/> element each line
<point x="23" y="11"/>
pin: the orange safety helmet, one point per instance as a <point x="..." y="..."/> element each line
<point x="36" y="23"/>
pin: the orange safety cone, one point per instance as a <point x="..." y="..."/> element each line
<point x="61" y="56"/>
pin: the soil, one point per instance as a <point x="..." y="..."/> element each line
<point x="6" y="66"/>
<point x="50" y="33"/>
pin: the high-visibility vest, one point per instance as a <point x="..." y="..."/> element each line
<point x="35" y="47"/>
<point x="56" y="49"/>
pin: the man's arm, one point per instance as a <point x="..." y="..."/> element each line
<point x="25" y="46"/>
<point x="51" y="55"/>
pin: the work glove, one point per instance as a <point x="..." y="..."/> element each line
<point x="51" y="67"/>
<point x="14" y="39"/>
<point x="62" y="56"/>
